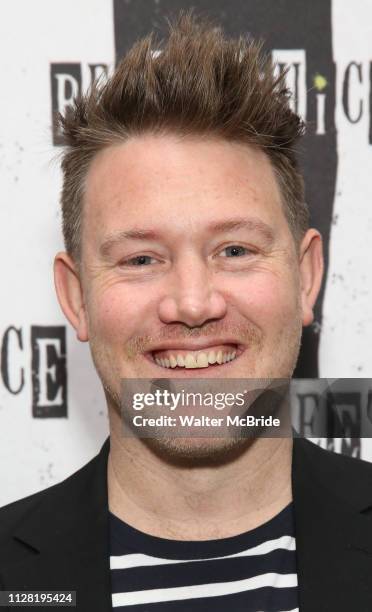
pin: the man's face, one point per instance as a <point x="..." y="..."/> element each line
<point x="187" y="257"/>
<point x="177" y="283"/>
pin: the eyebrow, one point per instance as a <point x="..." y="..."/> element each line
<point x="217" y="227"/>
<point x="118" y="237"/>
<point x="248" y="223"/>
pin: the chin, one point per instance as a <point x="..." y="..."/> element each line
<point x="192" y="452"/>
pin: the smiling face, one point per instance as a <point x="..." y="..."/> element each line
<point x="188" y="260"/>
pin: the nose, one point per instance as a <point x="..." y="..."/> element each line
<point x="190" y="296"/>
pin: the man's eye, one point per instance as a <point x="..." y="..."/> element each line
<point x="236" y="250"/>
<point x="139" y="260"/>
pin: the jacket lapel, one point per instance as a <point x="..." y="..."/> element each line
<point x="332" y="496"/>
<point x="63" y="544"/>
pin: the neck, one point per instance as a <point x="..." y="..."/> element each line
<point x="198" y="502"/>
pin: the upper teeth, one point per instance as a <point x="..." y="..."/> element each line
<point x="199" y="360"/>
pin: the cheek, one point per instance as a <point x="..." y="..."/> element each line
<point x="115" y="315"/>
<point x="269" y="300"/>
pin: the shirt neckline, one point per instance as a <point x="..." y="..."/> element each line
<point x="132" y="540"/>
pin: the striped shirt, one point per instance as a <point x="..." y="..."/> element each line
<point x="253" y="571"/>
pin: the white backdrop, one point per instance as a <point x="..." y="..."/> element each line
<point x="34" y="35"/>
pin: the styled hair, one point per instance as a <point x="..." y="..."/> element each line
<point x="196" y="82"/>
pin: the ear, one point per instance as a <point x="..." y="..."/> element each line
<point x="70" y="294"/>
<point x="311" y="272"/>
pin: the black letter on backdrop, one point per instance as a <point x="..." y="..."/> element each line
<point x="49" y="376"/>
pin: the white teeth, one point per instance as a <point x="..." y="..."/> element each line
<point x="190" y="361"/>
<point x="173" y="361"/>
<point x="202" y="360"/>
<point x="212" y="357"/>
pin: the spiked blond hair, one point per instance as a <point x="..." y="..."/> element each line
<point x="199" y="82"/>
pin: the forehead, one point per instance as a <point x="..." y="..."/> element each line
<point x="178" y="181"/>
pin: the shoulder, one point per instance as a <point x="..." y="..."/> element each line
<point x="347" y="477"/>
<point x="330" y="460"/>
<point x="58" y="498"/>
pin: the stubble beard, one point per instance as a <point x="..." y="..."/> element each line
<point x="198" y="451"/>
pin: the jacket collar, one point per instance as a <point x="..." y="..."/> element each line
<point x="67" y="543"/>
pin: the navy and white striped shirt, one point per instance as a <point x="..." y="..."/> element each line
<point x="253" y="571"/>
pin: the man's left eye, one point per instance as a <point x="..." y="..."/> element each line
<point x="236" y="250"/>
<point x="139" y="260"/>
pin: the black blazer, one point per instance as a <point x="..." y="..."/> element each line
<point x="57" y="539"/>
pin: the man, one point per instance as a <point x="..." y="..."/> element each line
<point x="188" y="255"/>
